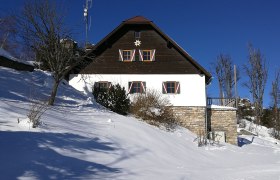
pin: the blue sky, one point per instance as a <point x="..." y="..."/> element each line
<point x="203" y="28"/>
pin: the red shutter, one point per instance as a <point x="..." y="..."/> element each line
<point x="133" y="55"/>
<point x="153" y="55"/>
<point x="120" y="55"/>
<point x="130" y="84"/>
<point x="177" y="87"/>
<point x="141" y="55"/>
<point x="143" y="87"/>
<point x="109" y="85"/>
<point x="96" y="85"/>
<point x="164" y="90"/>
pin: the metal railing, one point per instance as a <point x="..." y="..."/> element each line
<point x="228" y="102"/>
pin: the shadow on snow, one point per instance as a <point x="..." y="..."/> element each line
<point x="23" y="86"/>
<point x="243" y="141"/>
<point x="32" y="154"/>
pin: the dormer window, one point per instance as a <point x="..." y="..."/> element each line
<point x="137" y="34"/>
<point x="147" y="55"/>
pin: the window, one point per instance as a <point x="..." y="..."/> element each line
<point x="102" y="85"/>
<point x="136" y="87"/>
<point x="137" y="34"/>
<point x="171" y="87"/>
<point x="147" y="55"/>
<point x="127" y="55"/>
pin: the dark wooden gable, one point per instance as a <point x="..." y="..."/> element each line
<point x="169" y="57"/>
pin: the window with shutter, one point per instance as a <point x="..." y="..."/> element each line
<point x="147" y="55"/>
<point x="137" y="87"/>
<point x="103" y="85"/>
<point x="127" y="55"/>
<point x="171" y="87"/>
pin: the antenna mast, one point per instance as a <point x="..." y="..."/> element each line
<point x="86" y="8"/>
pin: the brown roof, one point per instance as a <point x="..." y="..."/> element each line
<point x="137" y="19"/>
<point x="143" y="20"/>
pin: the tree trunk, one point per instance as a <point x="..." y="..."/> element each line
<point x="53" y="94"/>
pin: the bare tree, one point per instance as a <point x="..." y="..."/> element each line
<point x="218" y="71"/>
<point x="8" y="32"/>
<point x="275" y="95"/>
<point x="256" y="70"/>
<point x="43" y="29"/>
<point x="223" y="69"/>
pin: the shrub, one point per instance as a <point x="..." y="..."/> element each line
<point x="153" y="108"/>
<point x="37" y="109"/>
<point x="115" y="98"/>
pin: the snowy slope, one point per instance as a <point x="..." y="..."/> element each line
<point x="6" y="54"/>
<point x="81" y="140"/>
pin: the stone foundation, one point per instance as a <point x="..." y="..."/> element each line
<point x="218" y="119"/>
<point x="192" y="118"/>
<point x="223" y="119"/>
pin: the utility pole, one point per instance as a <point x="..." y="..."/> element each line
<point x="87" y="19"/>
<point x="235" y="85"/>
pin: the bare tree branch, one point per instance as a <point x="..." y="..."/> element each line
<point x="43" y="30"/>
<point x="275" y="95"/>
<point x="223" y="69"/>
<point x="257" y="71"/>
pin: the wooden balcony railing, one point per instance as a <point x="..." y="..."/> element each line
<point x="228" y="102"/>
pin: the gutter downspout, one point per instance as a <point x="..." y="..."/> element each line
<point x="206" y="110"/>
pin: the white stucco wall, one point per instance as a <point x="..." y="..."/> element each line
<point x="192" y="86"/>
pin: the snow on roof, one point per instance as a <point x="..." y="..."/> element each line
<point x="7" y="55"/>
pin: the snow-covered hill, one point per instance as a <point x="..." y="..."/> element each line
<point x="81" y="140"/>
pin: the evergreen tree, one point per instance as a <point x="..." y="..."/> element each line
<point x="115" y="98"/>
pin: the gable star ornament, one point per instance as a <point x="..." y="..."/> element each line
<point x="137" y="43"/>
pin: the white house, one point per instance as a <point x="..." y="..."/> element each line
<point x="139" y="56"/>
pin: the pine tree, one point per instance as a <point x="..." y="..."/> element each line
<point x="115" y="98"/>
